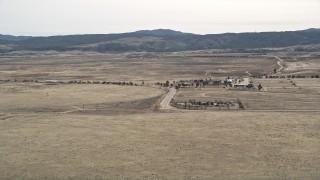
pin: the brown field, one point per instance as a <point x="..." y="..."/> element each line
<point x="189" y="145"/>
<point x="39" y="98"/>
<point x="119" y="67"/>
<point x="100" y="131"/>
<point x="277" y="94"/>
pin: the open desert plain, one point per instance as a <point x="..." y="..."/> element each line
<point x="88" y="115"/>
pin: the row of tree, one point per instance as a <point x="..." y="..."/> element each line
<point x="292" y="76"/>
<point x="76" y="82"/>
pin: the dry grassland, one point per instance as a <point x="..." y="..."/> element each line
<point x="92" y="66"/>
<point x="188" y="145"/>
<point x="277" y="94"/>
<point x="96" y="131"/>
<point x="39" y="98"/>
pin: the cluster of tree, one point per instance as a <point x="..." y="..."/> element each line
<point x="6" y="80"/>
<point x="165" y="84"/>
<point x="291" y="76"/>
<point x="192" y="103"/>
<point x="307" y="49"/>
<point x="207" y="82"/>
<point x="104" y="82"/>
<point x="252" y="51"/>
<point x="15" y="80"/>
<point x="191" y="83"/>
<point x="27" y="80"/>
<point x="211" y="103"/>
<point x="257" y="77"/>
<point x="76" y="82"/>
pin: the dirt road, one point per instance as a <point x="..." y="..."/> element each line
<point x="247" y="72"/>
<point x="165" y="103"/>
<point x="279" y="63"/>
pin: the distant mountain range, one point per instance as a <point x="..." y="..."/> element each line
<point x="160" y="40"/>
<point x="312" y="30"/>
<point x="13" y="38"/>
<point x="162" y="32"/>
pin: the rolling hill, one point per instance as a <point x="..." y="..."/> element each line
<point x="160" y="40"/>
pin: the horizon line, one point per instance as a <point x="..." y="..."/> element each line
<point x="79" y="34"/>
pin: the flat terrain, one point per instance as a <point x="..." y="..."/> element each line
<point x="277" y="94"/>
<point x="104" y="131"/>
<point x="122" y="67"/>
<point x="26" y="98"/>
<point x="189" y="145"/>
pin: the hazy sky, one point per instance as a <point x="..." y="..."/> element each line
<point x="53" y="17"/>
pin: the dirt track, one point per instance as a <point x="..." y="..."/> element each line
<point x="165" y="103"/>
<point x="279" y="63"/>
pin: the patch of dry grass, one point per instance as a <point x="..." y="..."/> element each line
<point x="35" y="97"/>
<point x="46" y="135"/>
<point x="189" y="145"/>
<point x="277" y="94"/>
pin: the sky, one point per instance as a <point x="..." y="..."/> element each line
<point x="61" y="17"/>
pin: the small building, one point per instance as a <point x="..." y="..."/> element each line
<point x="238" y="82"/>
<point x="242" y="82"/>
